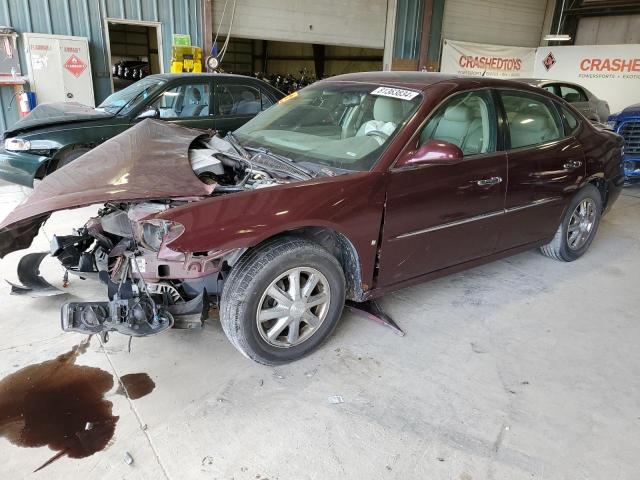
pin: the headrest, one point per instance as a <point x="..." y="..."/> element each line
<point x="533" y="123"/>
<point x="248" y="96"/>
<point x="387" y="109"/>
<point x="457" y="113"/>
<point x="572" y="97"/>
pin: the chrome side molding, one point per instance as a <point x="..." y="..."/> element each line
<point x="478" y="217"/>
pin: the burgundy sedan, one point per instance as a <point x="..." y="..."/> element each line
<point x="353" y="187"/>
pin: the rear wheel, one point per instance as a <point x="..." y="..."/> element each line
<point x="578" y="226"/>
<point x="282" y="300"/>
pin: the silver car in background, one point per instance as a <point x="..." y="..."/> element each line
<point x="582" y="99"/>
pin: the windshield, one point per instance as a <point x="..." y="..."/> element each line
<point x="342" y="125"/>
<point x="124" y="101"/>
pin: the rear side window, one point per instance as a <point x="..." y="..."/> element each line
<point x="570" y="119"/>
<point x="466" y="120"/>
<point x="238" y="100"/>
<point x="531" y="119"/>
<point x="266" y="100"/>
<point x="572" y="94"/>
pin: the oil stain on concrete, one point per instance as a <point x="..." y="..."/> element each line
<point x="60" y="405"/>
<point x="136" y="385"/>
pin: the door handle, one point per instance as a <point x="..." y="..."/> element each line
<point x="572" y="164"/>
<point x="489" y="181"/>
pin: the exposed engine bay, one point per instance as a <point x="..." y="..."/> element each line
<point x="150" y="287"/>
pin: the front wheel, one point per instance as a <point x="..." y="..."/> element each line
<point x="67" y="157"/>
<point x="282" y="300"/>
<point x="578" y="226"/>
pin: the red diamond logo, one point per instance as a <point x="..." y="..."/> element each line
<point x="75" y="65"/>
<point x="549" y="61"/>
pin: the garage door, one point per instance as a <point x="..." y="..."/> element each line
<point x="501" y="22"/>
<point x="358" y="23"/>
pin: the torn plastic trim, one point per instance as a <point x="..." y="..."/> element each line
<point x="33" y="285"/>
<point x="154" y="267"/>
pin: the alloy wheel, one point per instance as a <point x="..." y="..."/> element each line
<point x="293" y="307"/>
<point x="581" y="224"/>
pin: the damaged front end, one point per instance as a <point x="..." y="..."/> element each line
<point x="137" y="176"/>
<point x="146" y="294"/>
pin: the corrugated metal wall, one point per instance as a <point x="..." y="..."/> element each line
<point x="608" y="30"/>
<point x="352" y="23"/>
<point x="501" y="22"/>
<point x="85" y="18"/>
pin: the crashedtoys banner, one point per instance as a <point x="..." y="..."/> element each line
<point x="611" y="72"/>
<point x="477" y="59"/>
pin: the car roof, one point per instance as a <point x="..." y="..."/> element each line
<point x="415" y="80"/>
<point x="538" y="82"/>
<point x="422" y="80"/>
<point x="171" y="76"/>
<point x="246" y="78"/>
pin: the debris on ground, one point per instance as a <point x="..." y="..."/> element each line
<point x="336" y="399"/>
<point x="128" y="459"/>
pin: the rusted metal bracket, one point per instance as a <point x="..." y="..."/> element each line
<point x="372" y="311"/>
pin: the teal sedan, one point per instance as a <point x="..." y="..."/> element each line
<point x="55" y="134"/>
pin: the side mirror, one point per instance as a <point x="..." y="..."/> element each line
<point x="432" y="152"/>
<point x="151" y="112"/>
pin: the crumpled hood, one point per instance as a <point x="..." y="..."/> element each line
<point x="149" y="161"/>
<point x="56" y="113"/>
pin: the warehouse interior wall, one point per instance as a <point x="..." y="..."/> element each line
<point x="358" y="23"/>
<point x="85" y="18"/>
<point x="501" y="22"/>
<point x="246" y="56"/>
<point x="609" y="30"/>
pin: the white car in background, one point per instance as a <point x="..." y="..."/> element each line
<point x="582" y="99"/>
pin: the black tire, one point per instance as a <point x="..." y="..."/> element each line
<point x="250" y="278"/>
<point x="559" y="248"/>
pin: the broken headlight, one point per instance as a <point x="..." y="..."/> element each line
<point x="17" y="144"/>
<point x="156" y="233"/>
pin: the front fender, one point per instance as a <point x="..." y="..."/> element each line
<point x="20" y="167"/>
<point x="351" y="205"/>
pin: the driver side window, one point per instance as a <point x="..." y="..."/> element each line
<point x="467" y="120"/>
<point x="184" y="101"/>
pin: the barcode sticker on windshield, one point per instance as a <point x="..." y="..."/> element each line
<point x="395" y="93"/>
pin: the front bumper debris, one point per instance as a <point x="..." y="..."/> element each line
<point x="33" y="285"/>
<point x="132" y="316"/>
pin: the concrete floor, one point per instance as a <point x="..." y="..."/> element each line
<point x="526" y="368"/>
